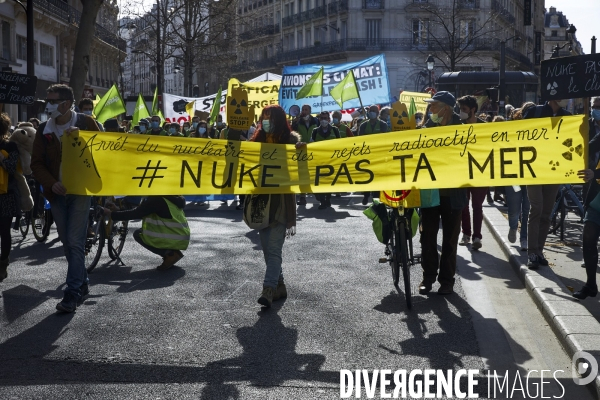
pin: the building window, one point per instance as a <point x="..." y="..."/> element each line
<point x="46" y="55"/>
<point x="373" y="30"/>
<point x="554" y="33"/>
<point x="21" y="48"/>
<point x="420" y="31"/>
<point x="300" y="43"/>
<point x="343" y="30"/>
<point x="467" y="29"/>
<point x="5" y="40"/>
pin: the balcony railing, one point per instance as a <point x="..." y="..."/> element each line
<point x="373" y="4"/>
<point x="338" y="6"/>
<point x="255" y="65"/>
<point x="258" y="32"/>
<point x="72" y="16"/>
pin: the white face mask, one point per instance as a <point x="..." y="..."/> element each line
<point x="563" y="103"/>
<point x="464" y="116"/>
<point x="52" y="110"/>
<point x="437" y="118"/>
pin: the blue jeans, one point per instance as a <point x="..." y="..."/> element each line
<point x="518" y="208"/>
<point x="71" y="213"/>
<point x="272" y="239"/>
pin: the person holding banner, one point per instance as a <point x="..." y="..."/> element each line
<point x="372" y="125"/>
<point x="274" y="128"/>
<point x="325" y="131"/>
<point x="304" y="124"/>
<point x="70" y="211"/>
<point x="343" y="128"/>
<point x="449" y="211"/>
<point x="541" y="197"/>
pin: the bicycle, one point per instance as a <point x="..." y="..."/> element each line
<point x="40" y="216"/>
<point x="399" y="249"/>
<point x="569" y="198"/>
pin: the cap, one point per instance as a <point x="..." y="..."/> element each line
<point x="111" y="123"/>
<point x="443" y="97"/>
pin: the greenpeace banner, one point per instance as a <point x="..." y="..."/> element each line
<point x="260" y="94"/>
<point x="370" y="74"/>
<point x="525" y="152"/>
<point x="175" y="105"/>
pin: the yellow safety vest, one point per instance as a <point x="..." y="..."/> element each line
<point x="167" y="233"/>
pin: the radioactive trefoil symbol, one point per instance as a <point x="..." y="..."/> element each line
<point x="395" y="114"/>
<point x="568" y="155"/>
<point x="238" y="106"/>
<point x="552" y="88"/>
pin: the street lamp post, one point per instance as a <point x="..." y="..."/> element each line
<point x="502" y="80"/>
<point x="570" y="32"/>
<point x="593" y="45"/>
<point x="430" y="64"/>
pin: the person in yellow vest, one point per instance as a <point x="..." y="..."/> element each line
<point x="165" y="230"/>
<point x="343" y="128"/>
<point x="325" y="131"/>
<point x="304" y="124"/>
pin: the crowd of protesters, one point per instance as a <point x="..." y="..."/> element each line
<point x="459" y="209"/>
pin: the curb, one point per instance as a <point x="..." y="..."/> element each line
<point x="573" y="325"/>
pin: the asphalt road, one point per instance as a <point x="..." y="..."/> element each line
<point x="196" y="330"/>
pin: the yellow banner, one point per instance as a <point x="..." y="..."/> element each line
<point x="525" y="152"/>
<point x="260" y="94"/>
<point x="419" y="97"/>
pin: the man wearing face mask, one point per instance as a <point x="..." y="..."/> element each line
<point x="194" y="127"/>
<point x="221" y="126"/>
<point x="449" y="211"/>
<point x="86" y="106"/>
<point x="304" y="124"/>
<point x="468" y="115"/>
<point x="373" y="124"/>
<point x="155" y="128"/>
<point x="175" y="129"/>
<point x="541" y="197"/>
<point x="384" y="115"/>
<point x="144" y="126"/>
<point x="337" y="122"/>
<point x="325" y="131"/>
<point x="70" y="211"/>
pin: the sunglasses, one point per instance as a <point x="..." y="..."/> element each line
<point x="56" y="101"/>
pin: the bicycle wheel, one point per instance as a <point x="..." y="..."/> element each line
<point x="94" y="243"/>
<point x="116" y="241"/>
<point x="40" y="225"/>
<point x="557" y="217"/>
<point x="24" y="223"/>
<point x="393" y="243"/>
<point x="403" y="255"/>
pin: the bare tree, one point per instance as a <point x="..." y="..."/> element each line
<point x="455" y="31"/>
<point x="85" y="35"/>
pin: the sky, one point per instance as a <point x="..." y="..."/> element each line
<point x="585" y="15"/>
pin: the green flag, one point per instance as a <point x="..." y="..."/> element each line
<point x="141" y="110"/>
<point x="216" y="107"/>
<point x="155" y="109"/>
<point x="110" y="105"/>
<point x="412" y="109"/>
<point x="345" y="90"/>
<point x="161" y="116"/>
<point x="312" y="87"/>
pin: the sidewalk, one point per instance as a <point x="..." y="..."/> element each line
<point x="575" y="323"/>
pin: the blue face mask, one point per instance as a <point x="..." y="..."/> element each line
<point x="336" y="121"/>
<point x="202" y="131"/>
<point x="596" y="114"/>
<point x="172" y="131"/>
<point x="194" y="125"/>
<point x="155" y="125"/>
<point x="142" y="128"/>
<point x="219" y="124"/>
<point x="372" y="114"/>
<point x="266" y="125"/>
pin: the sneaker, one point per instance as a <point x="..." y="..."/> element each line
<point x="68" y="303"/>
<point x="533" y="263"/>
<point x="446" y="288"/>
<point x="524" y="245"/>
<point x="512" y="235"/>
<point x="476" y="243"/>
<point x="170" y="260"/>
<point x="280" y="291"/>
<point x="424" y="287"/>
<point x="266" y="297"/>
<point x="365" y="199"/>
<point x="465" y="240"/>
<point x="542" y="260"/>
<point x="302" y="201"/>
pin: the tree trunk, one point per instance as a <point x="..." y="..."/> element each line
<point x="85" y="35"/>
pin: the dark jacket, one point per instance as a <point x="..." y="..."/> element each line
<point x="544" y="111"/>
<point x="152" y="205"/>
<point x="47" y="154"/>
<point x="458" y="196"/>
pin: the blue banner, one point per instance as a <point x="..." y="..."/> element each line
<point x="371" y="77"/>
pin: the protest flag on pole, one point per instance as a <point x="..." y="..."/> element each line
<point x="313" y="86"/>
<point x="216" y="107"/>
<point x="141" y="110"/>
<point x="345" y="90"/>
<point x="110" y="105"/>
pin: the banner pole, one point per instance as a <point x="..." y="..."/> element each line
<point x="362" y="108"/>
<point x="322" y="79"/>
